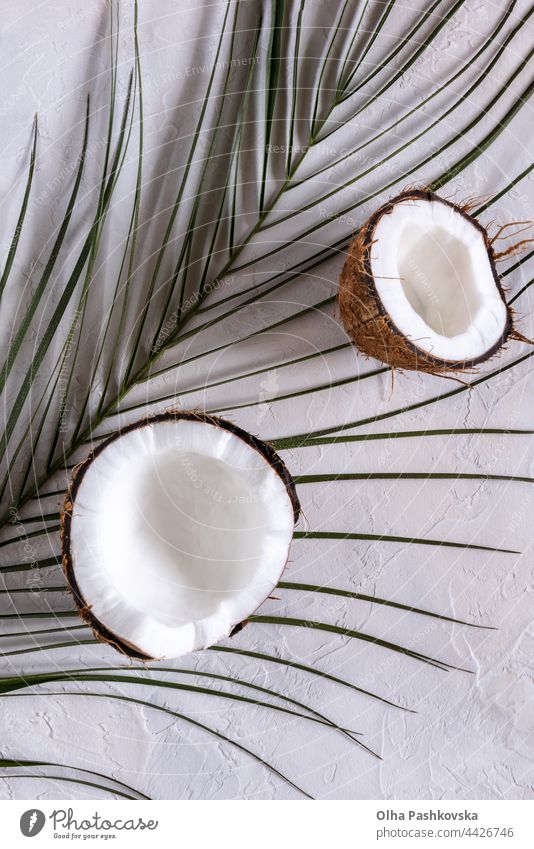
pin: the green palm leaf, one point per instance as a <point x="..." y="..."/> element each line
<point x="11" y="763"/>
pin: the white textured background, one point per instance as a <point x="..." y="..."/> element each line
<point x="472" y="735"/>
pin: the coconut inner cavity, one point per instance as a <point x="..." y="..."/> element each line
<point x="198" y="527"/>
<point x="438" y="276"/>
<point x="434" y="278"/>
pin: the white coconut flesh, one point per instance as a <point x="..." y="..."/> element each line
<point x="433" y="275"/>
<point x="179" y="531"/>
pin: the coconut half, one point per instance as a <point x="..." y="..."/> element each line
<point x="174" y="531"/>
<point x="419" y="289"/>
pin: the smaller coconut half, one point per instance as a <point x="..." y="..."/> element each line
<point x="174" y="531"/>
<point x="420" y="290"/>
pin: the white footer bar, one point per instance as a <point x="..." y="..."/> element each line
<point x="269" y="825"/>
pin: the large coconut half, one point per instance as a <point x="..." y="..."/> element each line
<point x="174" y="531"/>
<point x="419" y="289"/>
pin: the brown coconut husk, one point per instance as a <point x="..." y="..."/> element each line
<point x="99" y="629"/>
<point x="368" y="324"/>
